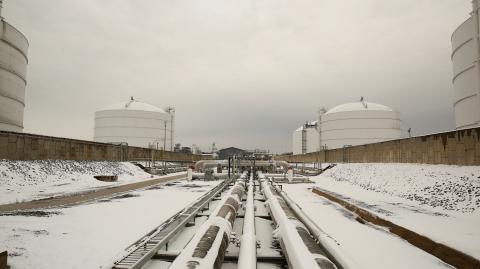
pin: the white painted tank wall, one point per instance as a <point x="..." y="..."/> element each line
<point x="297" y="141"/>
<point x="312" y="140"/>
<point x="140" y="125"/>
<point x="356" y="127"/>
<point x="465" y="75"/>
<point x="13" y="70"/>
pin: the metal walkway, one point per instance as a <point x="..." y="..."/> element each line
<point x="144" y="249"/>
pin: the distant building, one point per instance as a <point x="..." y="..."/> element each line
<point x="186" y="150"/>
<point x="225" y="153"/>
<point x="466" y="71"/>
<point x="305" y="138"/>
<point x="177" y="147"/>
<point x="348" y="124"/>
<point x="136" y="123"/>
<point x="358" y="123"/>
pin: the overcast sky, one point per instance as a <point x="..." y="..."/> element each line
<point x="240" y="73"/>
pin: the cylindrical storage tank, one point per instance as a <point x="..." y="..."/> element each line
<point x="359" y="123"/>
<point x="136" y="123"/>
<point x="305" y="138"/>
<point x="465" y="75"/>
<point x="13" y="71"/>
<point x="297" y="141"/>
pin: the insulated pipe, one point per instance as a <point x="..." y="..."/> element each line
<point x="299" y="255"/>
<point x="206" y="249"/>
<point x="283" y="176"/>
<point x="290" y="175"/>
<point x="203" y="164"/>
<point x="342" y="258"/>
<point x="248" y="249"/>
<point x="283" y="164"/>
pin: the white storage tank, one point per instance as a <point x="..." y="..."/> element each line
<point x="305" y="138"/>
<point x="358" y="123"/>
<point x="466" y="72"/>
<point x="13" y="69"/>
<point x="136" y="123"/>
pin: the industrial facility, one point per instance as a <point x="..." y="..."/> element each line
<point x="347" y="125"/>
<point x="13" y="71"/>
<point x="466" y="71"/>
<point x="306" y="138"/>
<point x="354" y="194"/>
<point x="137" y="124"/>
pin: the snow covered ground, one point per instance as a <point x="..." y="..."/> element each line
<point x="369" y="247"/>
<point x="445" y="187"/>
<point x="438" y="201"/>
<point x="29" y="180"/>
<point x="92" y="235"/>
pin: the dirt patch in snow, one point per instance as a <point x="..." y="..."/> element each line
<point x="124" y="196"/>
<point x="33" y="213"/>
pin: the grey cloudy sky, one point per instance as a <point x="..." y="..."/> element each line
<point x="239" y="72"/>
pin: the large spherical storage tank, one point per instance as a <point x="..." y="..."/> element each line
<point x="359" y="123"/>
<point x="13" y="69"/>
<point x="305" y="138"/>
<point x="136" y="123"/>
<point x="465" y="76"/>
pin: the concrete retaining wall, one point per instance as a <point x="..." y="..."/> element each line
<point x="457" y="147"/>
<point x="22" y="146"/>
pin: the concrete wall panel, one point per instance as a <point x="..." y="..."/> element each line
<point x="460" y="147"/>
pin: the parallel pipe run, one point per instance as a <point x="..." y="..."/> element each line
<point x="342" y="259"/>
<point x="143" y="250"/>
<point x="248" y="248"/>
<point x="207" y="248"/>
<point x="300" y="251"/>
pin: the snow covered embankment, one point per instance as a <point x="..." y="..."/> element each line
<point x="30" y="180"/>
<point x="447" y="187"/>
<point x="438" y="201"/>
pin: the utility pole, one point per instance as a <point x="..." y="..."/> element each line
<point x="165" y="137"/>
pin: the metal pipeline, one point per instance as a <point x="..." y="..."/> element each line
<point x="248" y="249"/>
<point x="207" y="248"/>
<point x="334" y="251"/>
<point x="205" y="164"/>
<point x="301" y="252"/>
<point x="284" y="176"/>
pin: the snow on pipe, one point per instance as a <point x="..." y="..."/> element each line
<point x="189" y="174"/>
<point x="206" y="249"/>
<point x="282" y="176"/>
<point x="248" y="249"/>
<point x="283" y="164"/>
<point x="290" y="174"/>
<point x="290" y="231"/>
<point x="204" y="164"/>
<point x="342" y="258"/>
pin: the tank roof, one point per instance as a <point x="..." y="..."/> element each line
<point x="310" y="124"/>
<point x="359" y="106"/>
<point x="133" y="105"/>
